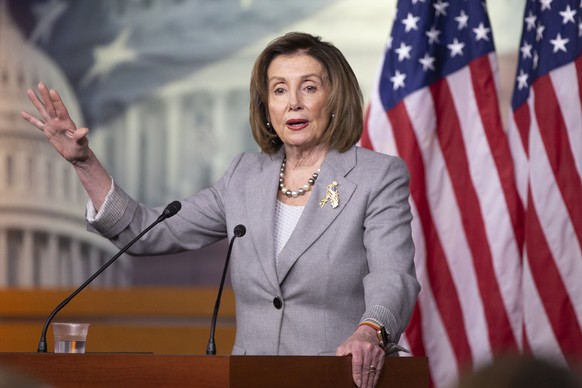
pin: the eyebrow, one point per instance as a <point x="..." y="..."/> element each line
<point x="277" y="78"/>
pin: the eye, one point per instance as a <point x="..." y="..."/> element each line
<point x="278" y="91"/>
<point x="310" y="88"/>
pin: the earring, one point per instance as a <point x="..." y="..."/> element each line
<point x="268" y="124"/>
<point x="332" y="115"/>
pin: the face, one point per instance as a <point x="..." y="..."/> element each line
<point x="298" y="93"/>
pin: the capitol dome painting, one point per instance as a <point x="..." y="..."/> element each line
<point x="43" y="238"/>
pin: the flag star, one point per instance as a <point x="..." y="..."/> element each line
<point x="568" y="15"/>
<point x="481" y="32"/>
<point x="440" y="8"/>
<point x="540" y="32"/>
<point x="416" y="1"/>
<point x="403" y="52"/>
<point x="526" y="50"/>
<point x="535" y="60"/>
<point x="531" y="21"/>
<point x="427" y="62"/>
<point x="47" y="15"/>
<point x="398" y="80"/>
<point x="410" y="22"/>
<point x="462" y="19"/>
<point x="559" y="43"/>
<point x="522" y="80"/>
<point x="109" y="56"/>
<point x="580" y="28"/>
<point x="456" y="48"/>
<point x="433" y="35"/>
<point x="546" y="4"/>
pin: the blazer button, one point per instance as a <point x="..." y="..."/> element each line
<point x="277" y="303"/>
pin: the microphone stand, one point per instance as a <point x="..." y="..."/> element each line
<point x="239" y="231"/>
<point x="168" y="212"/>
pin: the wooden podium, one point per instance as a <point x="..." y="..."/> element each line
<point x="151" y="370"/>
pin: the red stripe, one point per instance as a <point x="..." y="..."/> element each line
<point x="415" y="339"/>
<point x="414" y="332"/>
<point x="522" y="118"/>
<point x="486" y="97"/>
<point x="526" y="347"/>
<point x="551" y="289"/>
<point x="441" y="281"/>
<point x="554" y="135"/>
<point x="450" y="138"/>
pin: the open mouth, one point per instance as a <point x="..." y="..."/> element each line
<point x="296" y="124"/>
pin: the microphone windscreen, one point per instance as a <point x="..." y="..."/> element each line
<point x="240" y="230"/>
<point x="172" y="209"/>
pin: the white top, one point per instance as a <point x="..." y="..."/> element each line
<point x="286" y="218"/>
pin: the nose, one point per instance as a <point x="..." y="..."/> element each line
<point x="295" y="101"/>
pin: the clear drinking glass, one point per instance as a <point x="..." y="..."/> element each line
<point x="70" y="337"/>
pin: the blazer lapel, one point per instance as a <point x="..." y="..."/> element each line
<point x="315" y="220"/>
<point x="261" y="214"/>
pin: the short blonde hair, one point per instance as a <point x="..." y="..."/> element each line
<point x="345" y="99"/>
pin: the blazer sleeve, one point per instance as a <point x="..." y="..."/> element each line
<point x="390" y="286"/>
<point x="200" y="222"/>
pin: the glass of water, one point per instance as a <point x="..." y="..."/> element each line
<point x="70" y="337"/>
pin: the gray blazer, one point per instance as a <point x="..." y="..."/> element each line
<point x="339" y="266"/>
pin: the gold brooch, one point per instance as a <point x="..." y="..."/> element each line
<point x="331" y="194"/>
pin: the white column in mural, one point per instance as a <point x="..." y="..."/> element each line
<point x="25" y="261"/>
<point x="95" y="263"/>
<point x="77" y="276"/>
<point x="49" y="264"/>
<point x="132" y="151"/>
<point x="3" y="259"/>
<point x="174" y="144"/>
<point x="221" y="130"/>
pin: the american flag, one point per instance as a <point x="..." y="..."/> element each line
<point x="436" y="106"/>
<point x="546" y="142"/>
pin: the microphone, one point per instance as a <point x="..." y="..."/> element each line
<point x="239" y="231"/>
<point x="168" y="212"/>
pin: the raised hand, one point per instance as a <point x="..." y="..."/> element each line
<point x="69" y="141"/>
<point x="54" y="120"/>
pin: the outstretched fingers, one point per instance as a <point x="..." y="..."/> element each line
<point x="33" y="120"/>
<point x="57" y="104"/>
<point x="47" y="101"/>
<point x="38" y="104"/>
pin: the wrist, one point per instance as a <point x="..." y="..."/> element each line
<point x="379" y="332"/>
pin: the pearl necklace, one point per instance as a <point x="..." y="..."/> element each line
<point x="301" y="190"/>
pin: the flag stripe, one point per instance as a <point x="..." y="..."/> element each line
<point x="539" y="334"/>
<point x="520" y="123"/>
<point x="437" y="268"/>
<point x="414" y="332"/>
<point x="554" y="296"/>
<point x="451" y="141"/>
<point x="482" y="76"/>
<point x="578" y="64"/>
<point x="558" y="149"/>
<point x="522" y="116"/>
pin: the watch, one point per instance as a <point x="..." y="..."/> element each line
<point x="384" y="339"/>
<point x="383" y="336"/>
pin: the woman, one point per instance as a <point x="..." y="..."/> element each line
<point x="326" y="266"/>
